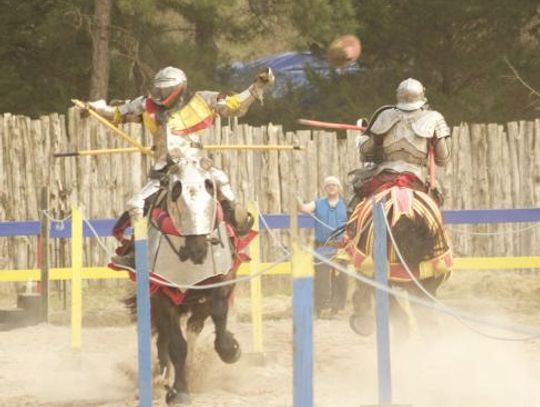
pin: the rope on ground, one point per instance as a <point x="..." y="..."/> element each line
<point x="449" y="310"/>
<point x="531" y="334"/>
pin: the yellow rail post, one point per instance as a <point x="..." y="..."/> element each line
<point x="76" y="277"/>
<point x="255" y="284"/>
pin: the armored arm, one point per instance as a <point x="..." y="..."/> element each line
<point x="239" y="103"/>
<point x="129" y="111"/>
<point x="442" y="142"/>
<point x="367" y="148"/>
<point x="370" y="142"/>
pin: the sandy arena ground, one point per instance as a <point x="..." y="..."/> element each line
<point x="442" y="363"/>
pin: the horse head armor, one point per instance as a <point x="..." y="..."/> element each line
<point x="191" y="197"/>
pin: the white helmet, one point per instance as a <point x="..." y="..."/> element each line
<point x="168" y="86"/>
<point x="410" y="95"/>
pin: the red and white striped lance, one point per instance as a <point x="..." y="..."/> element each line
<point x="331" y="125"/>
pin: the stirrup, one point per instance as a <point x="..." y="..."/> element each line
<point x="213" y="237"/>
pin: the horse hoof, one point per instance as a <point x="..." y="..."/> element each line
<point x="230" y="351"/>
<point x="175" y="399"/>
<point x="361" y="325"/>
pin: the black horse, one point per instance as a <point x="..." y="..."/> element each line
<point x="416" y="225"/>
<point x="192" y="206"/>
<point x="171" y="343"/>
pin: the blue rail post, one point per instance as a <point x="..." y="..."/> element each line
<point x="302" y="276"/>
<point x="302" y="269"/>
<point x="143" y="314"/>
<point x="382" y="305"/>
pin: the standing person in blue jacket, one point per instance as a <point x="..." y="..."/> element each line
<point x="330" y="212"/>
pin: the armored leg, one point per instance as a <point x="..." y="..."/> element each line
<point x="237" y="216"/>
<point x="135" y="208"/>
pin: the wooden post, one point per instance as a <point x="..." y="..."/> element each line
<point x="76" y="277"/>
<point x="302" y="275"/>
<point x="44" y="253"/>
<point x="143" y="314"/>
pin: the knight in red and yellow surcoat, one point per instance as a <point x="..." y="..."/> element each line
<point x="175" y="120"/>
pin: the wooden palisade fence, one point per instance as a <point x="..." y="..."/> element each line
<point x="493" y="166"/>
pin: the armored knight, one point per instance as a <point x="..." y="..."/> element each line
<point x="398" y="141"/>
<point x="174" y="120"/>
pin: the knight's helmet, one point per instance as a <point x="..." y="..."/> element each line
<point x="410" y="95"/>
<point x="168" y="86"/>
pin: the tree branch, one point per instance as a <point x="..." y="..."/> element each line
<point x="518" y="77"/>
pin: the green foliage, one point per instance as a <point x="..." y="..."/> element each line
<point x="144" y="9"/>
<point x="456" y="49"/>
<point x="42" y="63"/>
<point x="320" y="21"/>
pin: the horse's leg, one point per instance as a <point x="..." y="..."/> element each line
<point x="227" y="347"/>
<point x="431" y="285"/>
<point x="195" y="324"/>
<point x="401" y="314"/>
<point x="340" y="282"/>
<point x="161" y="322"/>
<point x="428" y="319"/>
<point x="177" y="349"/>
<point x="322" y="287"/>
<point x="362" y="320"/>
<point x="199" y="313"/>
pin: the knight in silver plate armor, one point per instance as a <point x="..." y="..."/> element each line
<point x="398" y="140"/>
<point x="174" y="120"/>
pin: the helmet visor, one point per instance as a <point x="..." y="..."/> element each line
<point x="167" y="96"/>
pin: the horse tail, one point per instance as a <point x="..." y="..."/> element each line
<point x="415" y="240"/>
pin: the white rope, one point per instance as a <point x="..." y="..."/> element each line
<point x="107" y="250"/>
<point x="449" y="310"/>
<point x="321" y="222"/>
<point x="366" y="225"/>
<point x="331" y="228"/>
<point x="214" y="285"/>
<point x="59" y="224"/>
<point x="505" y="232"/>
<point x="299" y="198"/>
<point x="532" y="334"/>
<point x="275" y="242"/>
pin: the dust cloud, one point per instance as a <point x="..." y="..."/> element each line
<point x="439" y="363"/>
